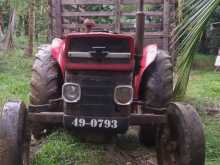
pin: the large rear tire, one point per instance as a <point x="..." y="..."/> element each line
<point x="46" y="84"/>
<point x="14" y="135"/>
<point x="181" y="141"/>
<point x="156" y="91"/>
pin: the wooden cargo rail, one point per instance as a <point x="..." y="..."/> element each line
<point x="68" y="16"/>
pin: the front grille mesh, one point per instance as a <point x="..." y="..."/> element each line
<point x="97" y="95"/>
<point x="97" y="92"/>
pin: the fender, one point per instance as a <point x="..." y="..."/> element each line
<point x="57" y="50"/>
<point x="148" y="57"/>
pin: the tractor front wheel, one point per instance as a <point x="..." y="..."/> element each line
<point x="14" y="135"/>
<point x="181" y="141"/>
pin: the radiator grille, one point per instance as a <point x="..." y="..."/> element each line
<point x="97" y="92"/>
<point x="97" y="95"/>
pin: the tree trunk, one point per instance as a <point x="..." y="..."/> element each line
<point x="1" y="24"/>
<point x="7" y="42"/>
<point x="31" y="27"/>
<point x="26" y="24"/>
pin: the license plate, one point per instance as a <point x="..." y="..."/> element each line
<point x="95" y="123"/>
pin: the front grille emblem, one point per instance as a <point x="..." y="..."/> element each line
<point x="99" y="52"/>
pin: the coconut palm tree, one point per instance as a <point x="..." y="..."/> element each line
<point x="193" y="16"/>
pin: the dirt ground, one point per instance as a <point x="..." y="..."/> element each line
<point x="125" y="149"/>
<point x="129" y="151"/>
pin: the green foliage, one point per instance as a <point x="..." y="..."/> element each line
<point x="22" y="8"/>
<point x="101" y="20"/>
<point x="42" y="20"/>
<point x="6" y="6"/>
<point x="195" y="14"/>
<point x="4" y="13"/>
<point x="215" y="15"/>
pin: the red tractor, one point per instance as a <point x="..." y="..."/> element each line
<point x="98" y="83"/>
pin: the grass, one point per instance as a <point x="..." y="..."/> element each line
<point x="204" y="86"/>
<point x="212" y="133"/>
<point x="204" y="91"/>
<point x="15" y="71"/>
<point x="62" y="148"/>
<point x="203" y="61"/>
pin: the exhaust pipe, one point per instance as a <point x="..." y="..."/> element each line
<point x="140" y="28"/>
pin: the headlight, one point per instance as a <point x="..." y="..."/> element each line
<point x="123" y="95"/>
<point x="71" y="92"/>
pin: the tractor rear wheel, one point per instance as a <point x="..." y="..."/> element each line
<point x="156" y="91"/>
<point x="181" y="141"/>
<point x="14" y="135"/>
<point x="46" y="84"/>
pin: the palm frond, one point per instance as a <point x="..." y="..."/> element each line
<point x="186" y="36"/>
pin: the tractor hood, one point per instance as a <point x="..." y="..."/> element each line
<point x="109" y="42"/>
<point x="99" y="51"/>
